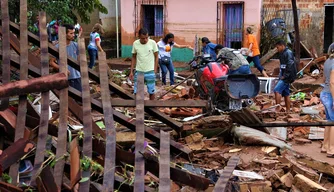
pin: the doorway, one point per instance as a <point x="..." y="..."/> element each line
<point x="230" y="22"/>
<point x="329" y="27"/>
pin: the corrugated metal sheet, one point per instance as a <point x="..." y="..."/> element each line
<point x="247" y="117"/>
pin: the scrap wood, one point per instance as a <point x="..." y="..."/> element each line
<point x="110" y="154"/>
<point x="86" y="111"/>
<point x="139" y="183"/>
<point x="45" y="102"/>
<point x="300" y="169"/>
<point x="9" y="187"/>
<point x="47" y="180"/>
<point x="40" y="84"/>
<point x="14" y="153"/>
<point x="227" y="173"/>
<point x="223" y="121"/>
<point x="75" y="174"/>
<point x="164" y="163"/>
<point x="95" y="77"/>
<point x="119" y="117"/>
<point x="5" y="43"/>
<point x="152" y="165"/>
<point x="22" y="108"/>
<point x="63" y="113"/>
<point x="305" y="184"/>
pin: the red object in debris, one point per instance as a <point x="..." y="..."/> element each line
<point x="212" y="71"/>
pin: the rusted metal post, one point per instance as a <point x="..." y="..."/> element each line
<point x="87" y="120"/>
<point x="225" y="176"/>
<point x="297" y="35"/>
<point x="164" y="166"/>
<point x="5" y="49"/>
<point x="20" y="125"/>
<point x="63" y="113"/>
<point x="139" y="184"/>
<point x="40" y="84"/>
<point x="110" y="155"/>
<point x="44" y="117"/>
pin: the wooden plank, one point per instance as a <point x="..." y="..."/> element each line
<point x="87" y="120"/>
<point x="75" y="163"/>
<point x="150" y="133"/>
<point x="5" y="49"/>
<point x="164" y="166"/>
<point x="155" y="103"/>
<point x="48" y="180"/>
<point x="9" y="187"/>
<point x="110" y="155"/>
<point x="225" y="177"/>
<point x="113" y="87"/>
<point x="139" y="184"/>
<point x="44" y="117"/>
<point x="20" y="125"/>
<point x="35" y="85"/>
<point x="63" y="112"/>
<point x="15" y="152"/>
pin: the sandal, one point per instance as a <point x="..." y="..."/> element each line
<point x="322" y="151"/>
<point x="330" y="155"/>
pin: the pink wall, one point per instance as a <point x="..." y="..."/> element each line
<point x="186" y="18"/>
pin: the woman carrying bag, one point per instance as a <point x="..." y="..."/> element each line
<point x="165" y="47"/>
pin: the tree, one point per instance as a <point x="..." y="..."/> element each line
<point x="67" y="10"/>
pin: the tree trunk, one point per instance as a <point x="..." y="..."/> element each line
<point x="41" y="84"/>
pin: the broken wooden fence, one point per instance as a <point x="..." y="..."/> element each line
<point x="20" y="129"/>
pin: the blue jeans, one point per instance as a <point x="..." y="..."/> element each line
<point x="327" y="100"/>
<point x="75" y="83"/>
<point x="256" y="61"/>
<point x="92" y="57"/>
<point x="243" y="69"/>
<point x="164" y="68"/>
<point x="282" y="88"/>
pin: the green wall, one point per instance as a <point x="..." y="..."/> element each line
<point x="181" y="55"/>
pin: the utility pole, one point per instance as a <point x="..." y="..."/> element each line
<point x="297" y="36"/>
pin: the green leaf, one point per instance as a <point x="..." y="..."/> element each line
<point x="84" y="179"/>
<point x="101" y="124"/>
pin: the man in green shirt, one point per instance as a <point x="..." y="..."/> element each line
<point x="145" y="59"/>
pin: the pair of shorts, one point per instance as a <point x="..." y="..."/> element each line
<point x="282" y="88"/>
<point x="149" y="80"/>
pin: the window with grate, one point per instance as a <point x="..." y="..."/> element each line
<point x="153" y="19"/>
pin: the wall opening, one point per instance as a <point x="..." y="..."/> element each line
<point x="153" y="19"/>
<point x="329" y="27"/>
<point x="230" y="22"/>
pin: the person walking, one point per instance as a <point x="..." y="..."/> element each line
<point x="210" y="48"/>
<point x="165" y="47"/>
<point x="74" y="77"/>
<point x="326" y="97"/>
<point x="94" y="44"/>
<point x="254" y="51"/>
<point x="144" y="60"/>
<point x="288" y="73"/>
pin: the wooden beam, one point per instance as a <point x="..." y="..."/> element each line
<point x="164" y="166"/>
<point x="150" y="133"/>
<point x="156" y="103"/>
<point x="45" y="100"/>
<point x="40" y="84"/>
<point x="5" y="49"/>
<point x="63" y="113"/>
<point x="86" y="109"/>
<point x="110" y="155"/>
<point x="139" y="184"/>
<point x="227" y="173"/>
<point x="20" y="125"/>
<point x="14" y="153"/>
